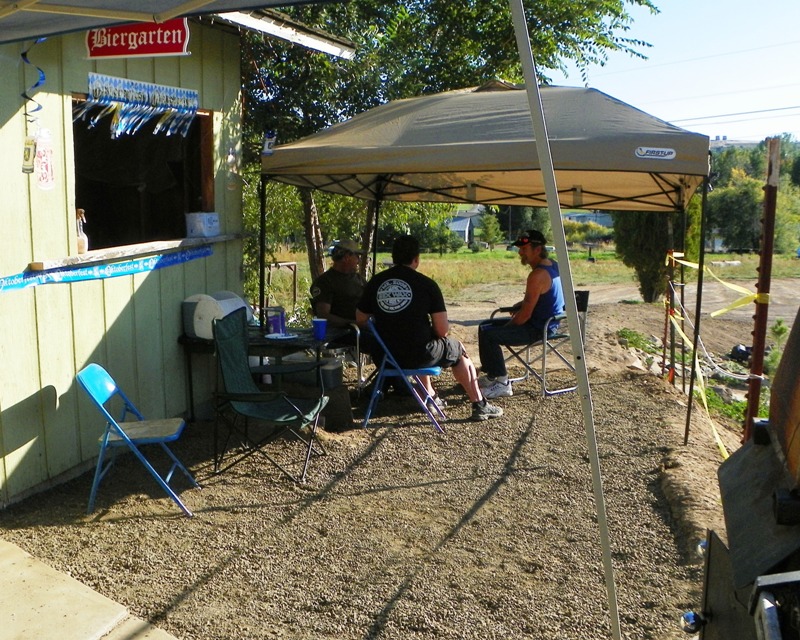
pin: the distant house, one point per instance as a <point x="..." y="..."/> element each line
<point x="463" y="227"/>
<point x="463" y="223"/>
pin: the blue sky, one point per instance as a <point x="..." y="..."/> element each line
<point x="711" y="58"/>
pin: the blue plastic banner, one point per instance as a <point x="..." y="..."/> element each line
<point x="102" y="271"/>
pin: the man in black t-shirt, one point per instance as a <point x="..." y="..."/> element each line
<point x="411" y="317"/>
<point x="336" y="292"/>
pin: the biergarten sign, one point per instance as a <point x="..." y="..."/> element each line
<point x="142" y="39"/>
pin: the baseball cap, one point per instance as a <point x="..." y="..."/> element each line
<point x="530" y="237"/>
<point x="342" y="246"/>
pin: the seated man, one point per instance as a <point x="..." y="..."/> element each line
<point x="543" y="299"/>
<point x="335" y="293"/>
<point x="411" y="317"/>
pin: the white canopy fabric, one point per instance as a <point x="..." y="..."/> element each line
<point x="30" y="19"/>
<point x="477" y="145"/>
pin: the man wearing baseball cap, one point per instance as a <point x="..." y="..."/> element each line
<point x="543" y="299"/>
<point x="335" y="293"/>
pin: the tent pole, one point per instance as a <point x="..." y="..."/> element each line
<point x="262" y="250"/>
<point x="576" y="339"/>
<point x="697" y="310"/>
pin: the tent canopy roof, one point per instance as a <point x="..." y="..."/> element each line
<point x="29" y="19"/>
<point x="477" y="145"/>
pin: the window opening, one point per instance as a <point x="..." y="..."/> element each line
<point x="136" y="188"/>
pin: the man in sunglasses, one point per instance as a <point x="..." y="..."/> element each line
<point x="543" y="299"/>
<point x="335" y="293"/>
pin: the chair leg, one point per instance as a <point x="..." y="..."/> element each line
<point x="164" y="485"/>
<point x="423" y="401"/>
<point x="373" y="399"/>
<point x="99" y="473"/>
<point x="546" y="392"/>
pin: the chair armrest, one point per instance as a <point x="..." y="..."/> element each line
<point x="502" y="310"/>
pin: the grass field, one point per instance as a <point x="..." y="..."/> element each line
<point x="457" y="271"/>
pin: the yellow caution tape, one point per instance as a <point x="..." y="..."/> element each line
<point x="701" y="386"/>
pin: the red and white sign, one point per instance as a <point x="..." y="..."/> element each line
<point x="143" y="39"/>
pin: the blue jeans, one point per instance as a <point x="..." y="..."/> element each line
<point x="493" y="334"/>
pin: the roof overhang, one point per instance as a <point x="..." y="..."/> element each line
<point x="31" y="19"/>
<point x="281" y="26"/>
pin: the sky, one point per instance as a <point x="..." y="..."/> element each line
<point x="717" y="67"/>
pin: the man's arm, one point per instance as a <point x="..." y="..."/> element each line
<point x="441" y="325"/>
<point x="538" y="282"/>
<point x="362" y="318"/>
<point x="323" y="310"/>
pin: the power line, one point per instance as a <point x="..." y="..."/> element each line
<point x="724" y="93"/>
<point x="647" y="67"/>
<point x="740" y="113"/>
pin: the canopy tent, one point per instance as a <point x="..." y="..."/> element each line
<point x="479" y="146"/>
<point x="476" y="145"/>
<point x="30" y="19"/>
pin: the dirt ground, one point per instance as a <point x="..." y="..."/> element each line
<point x="490" y="531"/>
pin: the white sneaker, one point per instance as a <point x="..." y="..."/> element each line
<point x="498" y="390"/>
<point x="484" y="382"/>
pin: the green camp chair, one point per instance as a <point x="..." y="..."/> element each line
<point x="277" y="415"/>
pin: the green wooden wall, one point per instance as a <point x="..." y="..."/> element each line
<point x="129" y="324"/>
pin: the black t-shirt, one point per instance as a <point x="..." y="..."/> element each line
<point x="402" y="302"/>
<point x="340" y="290"/>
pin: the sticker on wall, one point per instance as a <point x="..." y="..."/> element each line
<point x="43" y="161"/>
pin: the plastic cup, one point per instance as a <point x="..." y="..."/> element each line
<point x="319" y="327"/>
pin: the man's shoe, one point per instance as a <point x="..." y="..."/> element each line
<point x="437" y="401"/>
<point x="486" y="381"/>
<point x="485" y="411"/>
<point x="498" y="390"/>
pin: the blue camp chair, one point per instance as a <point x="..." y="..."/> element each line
<point x="390" y="368"/>
<point x="132" y="434"/>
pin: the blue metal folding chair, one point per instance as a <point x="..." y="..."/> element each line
<point x="132" y="434"/>
<point x="390" y="368"/>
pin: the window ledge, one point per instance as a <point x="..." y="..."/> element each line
<point x="114" y="254"/>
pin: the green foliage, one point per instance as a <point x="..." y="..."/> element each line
<point x="716" y="405"/>
<point x="778" y="333"/>
<point x="643" y="240"/>
<point x="637" y="340"/>
<point x="735" y="212"/>
<point x="490" y="229"/>
<point x="582" y="232"/>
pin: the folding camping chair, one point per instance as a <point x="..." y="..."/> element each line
<point x="390" y="368"/>
<point x="241" y="401"/>
<point x="101" y="388"/>
<point x="553" y="344"/>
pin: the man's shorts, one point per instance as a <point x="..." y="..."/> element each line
<point x="443" y="352"/>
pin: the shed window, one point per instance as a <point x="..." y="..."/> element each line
<point x="137" y="188"/>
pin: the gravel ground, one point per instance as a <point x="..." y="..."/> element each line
<point x="488" y="532"/>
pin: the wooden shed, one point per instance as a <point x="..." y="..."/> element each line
<point x="119" y="304"/>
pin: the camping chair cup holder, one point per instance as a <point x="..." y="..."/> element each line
<point x="276" y="414"/>
<point x="538" y="351"/>
<point x="133" y="434"/>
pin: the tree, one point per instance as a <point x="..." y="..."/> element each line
<point x="408" y="49"/>
<point x="643" y="240"/>
<point x="735" y="212"/>
<point x="490" y="229"/>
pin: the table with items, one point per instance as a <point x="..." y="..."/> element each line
<point x="272" y="345"/>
